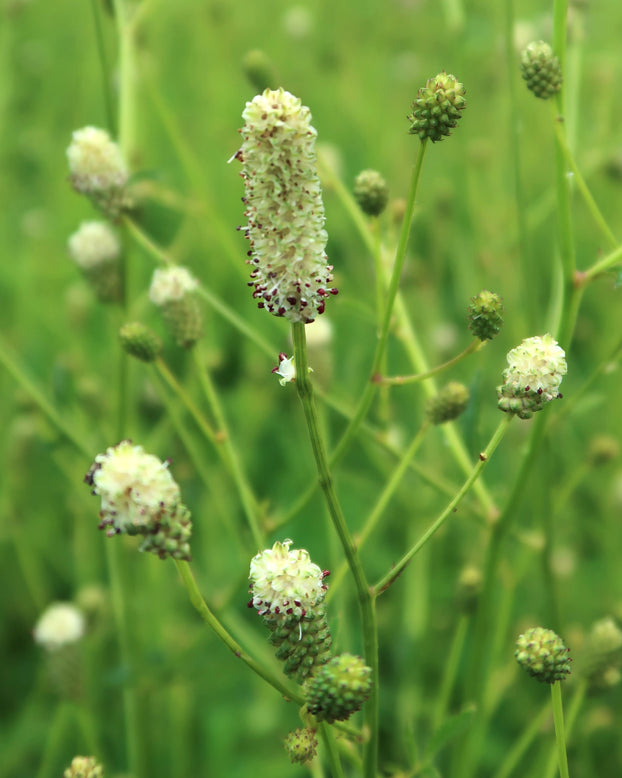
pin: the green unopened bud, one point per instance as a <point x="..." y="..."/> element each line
<point x="602" y="654"/>
<point x="541" y="69"/>
<point x="485" y="315"/>
<point x="301" y="745"/>
<point x="84" y="767"/>
<point x="603" y="449"/>
<point x="173" y="290"/>
<point x="533" y="376"/>
<point x="437" y="107"/>
<point x="338" y="689"/>
<point x="371" y="192"/>
<point x="140" y="342"/>
<point x="169" y="535"/>
<point x="259" y="70"/>
<point x="469" y="588"/>
<point x="448" y="404"/>
<point x="543" y="655"/>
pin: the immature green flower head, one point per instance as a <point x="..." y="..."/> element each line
<point x="301" y="745"/>
<point x="371" y="192"/>
<point x="437" y="107"/>
<point x="449" y="403"/>
<point x="93" y="244"/>
<point x="283" y="200"/>
<point x="84" y="767"/>
<point x="61" y="624"/>
<point x="485" y="315"/>
<point x="543" y="655"/>
<point x="338" y="689"/>
<point x="136" y="488"/>
<point x="285" y="582"/>
<point x="95" y="162"/>
<point x="533" y="376"/>
<point x="541" y="69"/>
<point x="602" y="654"/>
<point x="140" y="342"/>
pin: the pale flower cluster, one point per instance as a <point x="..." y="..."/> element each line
<point x="93" y="244"/>
<point x="538" y="364"/>
<point x="285" y="582"/>
<point x="59" y="625"/>
<point x="95" y="161"/>
<point x="170" y="285"/>
<point x="135" y="487"/>
<point x="291" y="274"/>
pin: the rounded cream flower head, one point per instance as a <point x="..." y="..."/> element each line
<point x="59" y="625"/>
<point x="538" y="364"/>
<point x="95" y="161"/>
<point x="135" y="487"/>
<point x="93" y="244"/>
<point x="285" y="582"/>
<point x="171" y="284"/>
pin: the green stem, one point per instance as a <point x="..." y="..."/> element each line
<point x="105" y="67"/>
<point x="604" y="264"/>
<point x="328" y="738"/>
<point x="127" y="81"/>
<point x="381" y="503"/>
<point x="450" y="671"/>
<point x="54" y="740"/>
<point x="386" y="581"/>
<point x="229" y="454"/>
<point x="366" y="601"/>
<point x="210" y="619"/>
<point x="573" y="709"/>
<point x="560" y="735"/>
<point x="400" y="380"/>
<point x="179" y="390"/>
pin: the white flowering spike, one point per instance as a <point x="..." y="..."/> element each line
<point x="285" y="583"/>
<point x="84" y="767"/>
<point x="95" y="162"/>
<point x="286" y="369"/>
<point x="533" y="376"/>
<point x="173" y="291"/>
<point x="61" y="624"/>
<point x="93" y="244"/>
<point x="136" y="488"/>
<point x="291" y="274"/>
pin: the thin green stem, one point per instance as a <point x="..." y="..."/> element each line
<point x="366" y="601"/>
<point x="381" y="503"/>
<point x="603" y="265"/>
<point x="400" y="380"/>
<point x="450" y="671"/>
<point x="55" y="733"/>
<point x="178" y="389"/>
<point x="210" y="619"/>
<point x="225" y="445"/>
<point x="127" y="80"/>
<point x="397" y="569"/>
<point x="105" y="67"/>
<point x="328" y="738"/>
<point x="560" y="735"/>
<point x="573" y="710"/>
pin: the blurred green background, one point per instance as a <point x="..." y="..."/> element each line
<point x="358" y="66"/>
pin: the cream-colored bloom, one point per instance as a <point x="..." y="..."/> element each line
<point x="538" y="364"/>
<point x="135" y="487"/>
<point x="285" y="582"/>
<point x="59" y="625"/>
<point x="95" y="161"/>
<point x="170" y="285"/>
<point x="93" y="244"/>
<point x="283" y="199"/>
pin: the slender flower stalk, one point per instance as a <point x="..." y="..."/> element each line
<point x="400" y="380"/>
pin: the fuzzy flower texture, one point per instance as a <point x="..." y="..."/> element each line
<point x="139" y="496"/>
<point x="285" y="582"/>
<point x="291" y="274"/>
<point x="533" y="376"/>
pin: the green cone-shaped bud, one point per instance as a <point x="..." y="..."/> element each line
<point x="84" y="767"/>
<point x="541" y="69"/>
<point x="448" y="404"/>
<point x="338" y="689"/>
<point x="140" y="342"/>
<point x="437" y="107"/>
<point x="173" y="290"/>
<point x="543" y="655"/>
<point x="301" y="745"/>
<point x="602" y="654"/>
<point x="302" y="644"/>
<point x="485" y="315"/>
<point x="371" y="192"/>
<point x="259" y="70"/>
<point x="168" y="535"/>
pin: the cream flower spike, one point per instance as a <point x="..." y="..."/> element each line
<point x="291" y="274"/>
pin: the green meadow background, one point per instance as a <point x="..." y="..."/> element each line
<point x="358" y="66"/>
